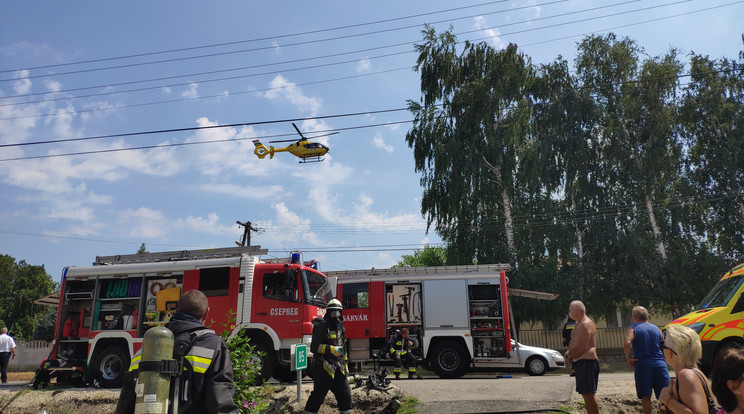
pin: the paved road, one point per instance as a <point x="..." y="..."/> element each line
<point x="485" y="393"/>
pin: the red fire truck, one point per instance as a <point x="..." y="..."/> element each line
<point x="459" y="315"/>
<point x="105" y="309"/>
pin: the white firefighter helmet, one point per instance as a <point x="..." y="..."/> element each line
<point x="334" y="304"/>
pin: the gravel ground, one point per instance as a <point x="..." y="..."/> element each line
<point x="615" y="396"/>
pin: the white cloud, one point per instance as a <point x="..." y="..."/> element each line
<point x="142" y="223"/>
<point x="536" y="7"/>
<point x="380" y="143"/>
<point x="363" y="65"/>
<point x="166" y="90"/>
<point x="299" y="225"/>
<point x="277" y="48"/>
<point x="252" y="192"/>
<point x="384" y="260"/>
<point x="493" y="34"/>
<point x="23" y="84"/>
<point x="210" y="225"/>
<point x="226" y="157"/>
<point x="283" y="89"/>
<point x="52" y="85"/>
<point x="192" y="91"/>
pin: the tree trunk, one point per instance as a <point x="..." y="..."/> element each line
<point x="579" y="235"/>
<point x="655" y="227"/>
<point x="508" y="220"/>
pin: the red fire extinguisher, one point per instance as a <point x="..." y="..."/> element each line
<point x="70" y="330"/>
<point x="135" y="316"/>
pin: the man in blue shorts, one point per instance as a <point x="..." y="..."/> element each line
<point x="648" y="361"/>
<point x="582" y="351"/>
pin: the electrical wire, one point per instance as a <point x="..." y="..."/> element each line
<point x="384" y="47"/>
<point x="305" y="43"/>
<point x="181" y="144"/>
<point x="116" y="107"/>
<point x="257" y="39"/>
<point x="18" y="144"/>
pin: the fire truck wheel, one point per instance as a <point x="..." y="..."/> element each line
<point x="110" y="365"/>
<point x="285" y="374"/>
<point x="268" y="360"/>
<point x="536" y="365"/>
<point x="449" y="359"/>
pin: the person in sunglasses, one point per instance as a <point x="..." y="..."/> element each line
<point x="690" y="392"/>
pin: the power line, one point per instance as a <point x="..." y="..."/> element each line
<point x="261" y="123"/>
<point x="165" y="131"/>
<point x="181" y="144"/>
<point x="384" y="229"/>
<point x="289" y="70"/>
<point x="212" y="55"/>
<point x="262" y="38"/>
<point x="386" y="46"/>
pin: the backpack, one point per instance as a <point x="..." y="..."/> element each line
<point x="181" y="347"/>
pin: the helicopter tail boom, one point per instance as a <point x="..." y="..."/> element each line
<point x="261" y="151"/>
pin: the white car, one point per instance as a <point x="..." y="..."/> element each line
<point x="534" y="360"/>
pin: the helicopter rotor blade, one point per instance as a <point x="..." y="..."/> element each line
<point x="303" y="137"/>
<point x="297" y="129"/>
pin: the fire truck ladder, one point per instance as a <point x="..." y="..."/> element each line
<point x="179" y="255"/>
<point x="423" y="273"/>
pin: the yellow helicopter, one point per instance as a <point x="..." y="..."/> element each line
<point x="302" y="148"/>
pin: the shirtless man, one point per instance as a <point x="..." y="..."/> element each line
<point x="582" y="351"/>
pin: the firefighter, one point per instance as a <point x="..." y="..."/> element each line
<point x="329" y="361"/>
<point x="401" y="348"/>
<point x="207" y="384"/>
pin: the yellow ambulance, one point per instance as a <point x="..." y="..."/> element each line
<point x="719" y="318"/>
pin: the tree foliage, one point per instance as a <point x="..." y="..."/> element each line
<point x="609" y="181"/>
<point x="428" y="256"/>
<point x="20" y="284"/>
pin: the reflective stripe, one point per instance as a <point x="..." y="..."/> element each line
<point x="199" y="364"/>
<point x="330" y="369"/>
<point x="202" y="352"/>
<point x="134" y="363"/>
<point x="200" y="358"/>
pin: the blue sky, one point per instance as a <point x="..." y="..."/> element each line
<point x="90" y="68"/>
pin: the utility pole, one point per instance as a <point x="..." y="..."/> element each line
<point x="247" y="228"/>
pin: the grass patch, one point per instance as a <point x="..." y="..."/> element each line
<point x="408" y="405"/>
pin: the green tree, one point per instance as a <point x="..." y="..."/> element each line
<point x="712" y="118"/>
<point x="21" y="285"/>
<point x="468" y="127"/>
<point x="428" y="256"/>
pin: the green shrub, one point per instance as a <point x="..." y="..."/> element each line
<point x="246" y="370"/>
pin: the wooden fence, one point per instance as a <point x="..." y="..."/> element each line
<point x="609" y="340"/>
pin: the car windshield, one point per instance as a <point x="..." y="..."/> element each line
<point x="722" y="293"/>
<point x="317" y="288"/>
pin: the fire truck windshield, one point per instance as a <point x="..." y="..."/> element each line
<point x="317" y="289"/>
<point x="722" y="293"/>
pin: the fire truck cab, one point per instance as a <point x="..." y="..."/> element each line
<point x="105" y="309"/>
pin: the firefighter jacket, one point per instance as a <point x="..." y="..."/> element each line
<point x="207" y="381"/>
<point x="398" y="345"/>
<point x="328" y="338"/>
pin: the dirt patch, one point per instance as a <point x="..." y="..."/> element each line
<point x="615" y="397"/>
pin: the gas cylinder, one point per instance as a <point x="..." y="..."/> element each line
<point x="135" y="317"/>
<point x="67" y="329"/>
<point x="157" y="345"/>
